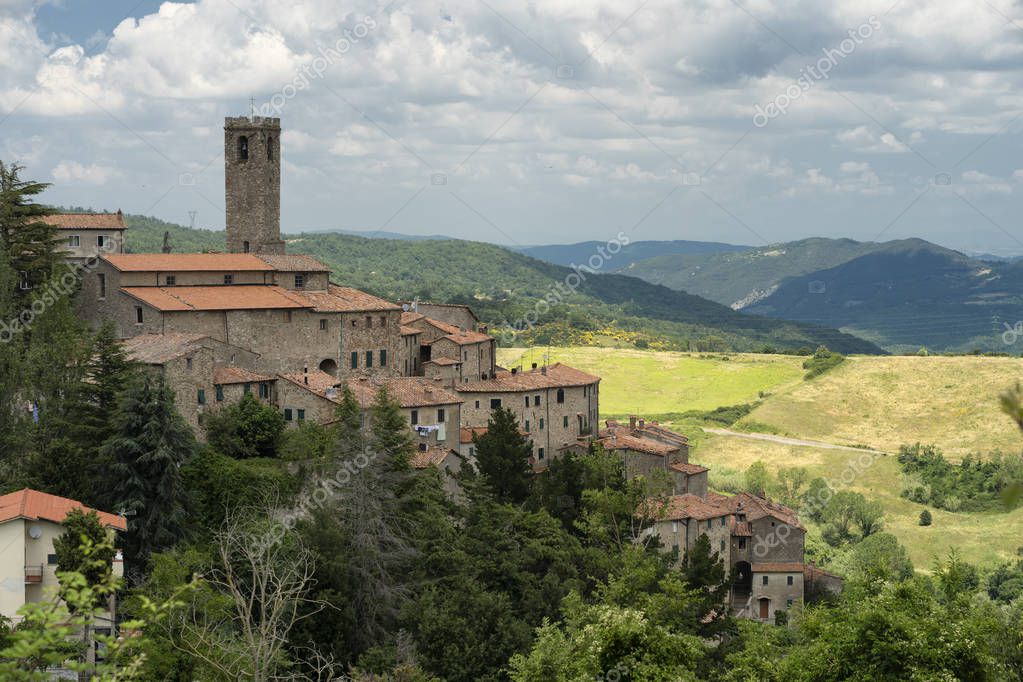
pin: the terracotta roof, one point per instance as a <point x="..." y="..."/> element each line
<point x="442" y="361"/>
<point x="408" y="391"/>
<point x="346" y="300"/>
<point x="557" y="376"/>
<point x="811" y="572"/>
<point x="315" y="381"/>
<point x="791" y="567"/>
<point x="620" y="439"/>
<point x="186" y="262"/>
<point x="742" y="529"/>
<point x="86" y="221"/>
<point x="432" y="456"/>
<point x="296" y="262"/>
<point x="681" y="507"/>
<point x="465" y="338"/>
<point x="408" y="317"/>
<point x="688" y="469"/>
<point x="34" y="505"/>
<point x="156" y="349"/>
<point x="238" y="375"/>
<point x="240" y="297"/>
<point x="756" y="507"/>
<point x="409" y="331"/>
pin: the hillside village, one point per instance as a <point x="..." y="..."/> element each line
<point x="259" y="321"/>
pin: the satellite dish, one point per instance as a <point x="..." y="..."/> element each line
<point x="35" y="532"/>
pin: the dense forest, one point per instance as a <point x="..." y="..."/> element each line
<point x="322" y="554"/>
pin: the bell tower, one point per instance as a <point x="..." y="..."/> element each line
<point x="252" y="183"/>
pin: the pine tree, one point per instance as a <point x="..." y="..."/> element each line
<point x="350" y="439"/>
<point x="502" y="456"/>
<point x="150" y="444"/>
<point x="704" y="571"/>
<point x="32" y="245"/>
<point x="390" y="435"/>
<point x="925" y="518"/>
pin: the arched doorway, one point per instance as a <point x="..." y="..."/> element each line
<point x="329" y="366"/>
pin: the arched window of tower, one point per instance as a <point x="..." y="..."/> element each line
<point x="243" y="148"/>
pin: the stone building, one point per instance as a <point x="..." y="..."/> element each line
<point x="252" y="184"/>
<point x="458" y="354"/>
<point x="554" y="405"/>
<point x="89" y="235"/>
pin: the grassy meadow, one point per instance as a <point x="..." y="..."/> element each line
<point x="880" y="402"/>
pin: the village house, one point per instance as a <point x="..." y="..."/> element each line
<point x="29" y="522"/>
<point x="88" y="235"/>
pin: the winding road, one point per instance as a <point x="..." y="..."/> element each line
<point x="789" y="441"/>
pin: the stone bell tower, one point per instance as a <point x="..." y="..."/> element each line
<point x="252" y="179"/>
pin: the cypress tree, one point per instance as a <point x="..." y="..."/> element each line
<point x="502" y="456"/>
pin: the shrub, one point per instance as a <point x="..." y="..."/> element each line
<point x="821" y="362"/>
<point x="925" y="518"/>
<point x="246" y="429"/>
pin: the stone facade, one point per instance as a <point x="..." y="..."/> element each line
<point x="89" y="235"/>
<point x="252" y="179"/>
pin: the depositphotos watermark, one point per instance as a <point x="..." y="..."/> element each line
<point x="56" y="288"/>
<point x="314" y="69"/>
<point x="559" y="291"/>
<point x="811" y="73"/>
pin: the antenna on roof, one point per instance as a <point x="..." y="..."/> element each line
<point x="252" y="107"/>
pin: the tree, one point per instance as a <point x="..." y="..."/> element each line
<point x="390" y="436"/>
<point x="790" y="484"/>
<point x="877" y="560"/>
<point x="925" y="518"/>
<point x="868" y="517"/>
<point x="31" y="244"/>
<point x="502" y="457"/>
<point x="704" y="571"/>
<point x="145" y="455"/>
<point x="246" y="429"/>
<point x="757" y="479"/>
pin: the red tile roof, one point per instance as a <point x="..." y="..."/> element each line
<point x="240" y="297"/>
<point x="34" y="505"/>
<point x="557" y="376"/>
<point x="442" y="361"/>
<point x="409" y="317"/>
<point x="315" y="381"/>
<point x="432" y="456"/>
<point x="756" y="507"/>
<point x="408" y="391"/>
<point x="187" y="262"/>
<point x="688" y="468"/>
<point x="620" y="439"/>
<point x="86" y="221"/>
<point x="811" y="572"/>
<point x="346" y="300"/>
<point x="156" y="349"/>
<point x="742" y="529"/>
<point x="292" y="262"/>
<point x="681" y="507"/>
<point x="791" y="567"/>
<point x="409" y="331"/>
<point x="238" y="375"/>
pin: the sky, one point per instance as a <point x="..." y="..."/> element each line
<point x="743" y="121"/>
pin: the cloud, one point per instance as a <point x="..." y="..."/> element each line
<point x="77" y="173"/>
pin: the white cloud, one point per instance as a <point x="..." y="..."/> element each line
<point x="77" y="173"/>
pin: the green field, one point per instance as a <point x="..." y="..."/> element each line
<point x="881" y="402"/>
<point x="651" y="383"/>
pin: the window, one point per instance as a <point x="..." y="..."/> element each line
<point x="23" y="281"/>
<point x="202" y="397"/>
<point x="541" y="453"/>
<point x="414" y="417"/>
<point x="525" y="426"/>
<point x="287" y="316"/>
<point x="789" y="580"/>
<point x="788" y="603"/>
<point x="541" y="423"/>
<point x="323" y="325"/>
<point x="585" y="391"/>
<point x="102" y="279"/>
<point x="264" y="391"/>
<point x="270" y="148"/>
<point x="764" y="580"/>
<point x="220" y="392"/>
<point x="355" y="323"/>
<point x="369" y="358"/>
<point x="465" y="355"/>
<point x="561" y="395"/>
<point x="536" y="400"/>
<point x="742" y="543"/>
<point x="299" y="281"/>
<point x="51" y="559"/>
<point x="355" y="359"/>
<point x="247" y="389"/>
<point x="74" y="240"/>
<point x="101" y="240"/>
<point x="477" y="404"/>
<point x="722" y="546"/>
<point x="723" y="521"/>
<point x="440" y="415"/>
<point x="188" y="363"/>
<point x="171" y="280"/>
<point x="301" y="415"/>
<point x="138" y="314"/>
<point x="383" y="358"/>
<point x="369" y="322"/>
<point x="527" y="401"/>
<point x="245" y="247"/>
<point x="287" y="414"/>
<point x="383" y="320"/>
<point x="564" y="422"/>
<point x="674" y="526"/>
<point x="243" y="148"/>
<point x="495" y="403"/>
<point x="229" y="279"/>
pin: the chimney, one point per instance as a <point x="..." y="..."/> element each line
<point x="543" y="370"/>
<point x="305" y="379"/>
<point x="642" y="423"/>
<point x="632" y="422"/>
<point x="534" y="365"/>
<point x="514" y="370"/>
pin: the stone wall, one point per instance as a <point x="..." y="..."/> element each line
<point x="370" y="332"/>
<point x="776" y="542"/>
<point x="777" y="591"/>
<point x="252" y="186"/>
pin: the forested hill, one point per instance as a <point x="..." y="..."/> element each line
<point x="504" y="287"/>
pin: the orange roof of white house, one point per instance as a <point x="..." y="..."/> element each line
<point x="86" y="221"/>
<point x="240" y="297"/>
<point x="34" y="505"/>
<point x="187" y="262"/>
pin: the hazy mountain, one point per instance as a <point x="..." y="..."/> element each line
<point x="579" y="254"/>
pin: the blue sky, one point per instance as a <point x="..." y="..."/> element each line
<point x="750" y="122"/>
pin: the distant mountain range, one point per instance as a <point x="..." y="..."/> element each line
<point x="580" y="253"/>
<point x="899" y="294"/>
<point x="505" y="286"/>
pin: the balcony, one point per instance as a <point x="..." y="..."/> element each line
<point x="34" y="573"/>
